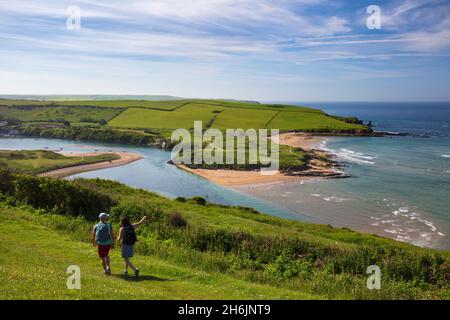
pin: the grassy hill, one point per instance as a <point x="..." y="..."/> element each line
<point x="194" y="249"/>
<point x="35" y="256"/>
<point x="173" y="114"/>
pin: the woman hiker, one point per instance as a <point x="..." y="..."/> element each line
<point x="128" y="236"/>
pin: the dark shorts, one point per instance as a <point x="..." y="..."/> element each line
<point x="103" y="250"/>
<point x="127" y="251"/>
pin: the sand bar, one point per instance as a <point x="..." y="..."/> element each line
<point x="234" y="178"/>
<point x="125" y="158"/>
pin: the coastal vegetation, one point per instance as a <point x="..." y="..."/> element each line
<point x="133" y="137"/>
<point x="38" y="161"/>
<point x="213" y="251"/>
<point x="58" y="114"/>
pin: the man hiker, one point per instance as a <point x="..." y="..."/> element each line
<point x="103" y="236"/>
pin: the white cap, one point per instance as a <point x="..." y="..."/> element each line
<point x="103" y="216"/>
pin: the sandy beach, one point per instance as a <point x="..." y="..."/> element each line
<point x="299" y="140"/>
<point x="125" y="158"/>
<point x="234" y="178"/>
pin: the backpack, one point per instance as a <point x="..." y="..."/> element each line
<point x="129" y="235"/>
<point x="102" y="233"/>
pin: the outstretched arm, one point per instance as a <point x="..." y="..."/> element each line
<point x="135" y="225"/>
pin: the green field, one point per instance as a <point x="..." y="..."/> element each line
<point x="245" y="118"/>
<point x="161" y="105"/>
<point x="58" y="113"/>
<point x="38" y="161"/>
<point x="157" y="115"/>
<point x="218" y="252"/>
<point x="183" y="117"/>
<point x="306" y="121"/>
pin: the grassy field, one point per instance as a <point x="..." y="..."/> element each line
<point x="157" y="115"/>
<point x="159" y="105"/>
<point x="192" y="249"/>
<point x="41" y="275"/>
<point x="58" y="113"/>
<point x="38" y="161"/>
<point x="245" y="118"/>
<point x="183" y="117"/>
<point x="305" y="121"/>
<point x="34" y="259"/>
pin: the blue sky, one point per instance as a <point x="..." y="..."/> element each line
<point x="267" y="50"/>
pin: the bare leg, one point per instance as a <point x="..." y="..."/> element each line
<point x="108" y="263"/>
<point x="104" y="263"/>
<point x="128" y="263"/>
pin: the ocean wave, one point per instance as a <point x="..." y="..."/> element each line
<point x="332" y="198"/>
<point x="348" y="155"/>
<point x="445" y="155"/>
<point x="407" y="225"/>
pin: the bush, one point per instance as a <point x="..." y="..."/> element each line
<point x="6" y="179"/>
<point x="286" y="267"/>
<point x="199" y="200"/>
<point x="177" y="220"/>
<point x="58" y="196"/>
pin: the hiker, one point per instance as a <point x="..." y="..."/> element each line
<point x="128" y="236"/>
<point x="103" y="236"/>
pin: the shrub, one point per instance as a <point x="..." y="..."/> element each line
<point x="199" y="200"/>
<point x="59" y="196"/>
<point x="177" y="220"/>
<point x="286" y="267"/>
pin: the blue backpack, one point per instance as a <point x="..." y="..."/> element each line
<point x="103" y="232"/>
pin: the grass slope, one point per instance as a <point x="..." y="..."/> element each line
<point x="183" y="117"/>
<point x="305" y="121"/>
<point x="34" y="259"/>
<point x="243" y="118"/>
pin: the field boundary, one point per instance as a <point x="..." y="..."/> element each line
<point x="270" y="120"/>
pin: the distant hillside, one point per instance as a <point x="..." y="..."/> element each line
<point x="88" y="97"/>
